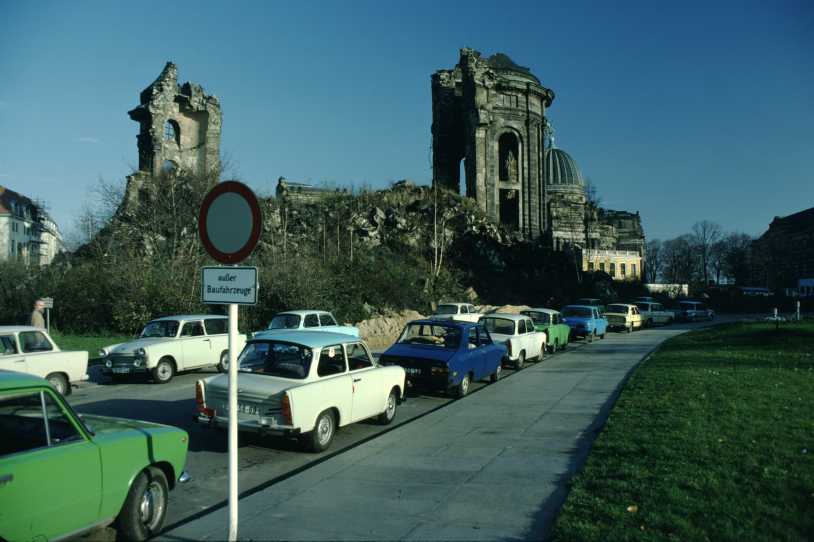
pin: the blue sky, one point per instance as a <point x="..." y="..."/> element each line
<point x="683" y="111"/>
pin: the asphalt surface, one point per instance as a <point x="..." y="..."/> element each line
<point x="267" y="462"/>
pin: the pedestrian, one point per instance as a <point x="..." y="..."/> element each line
<point x="37" y="319"/>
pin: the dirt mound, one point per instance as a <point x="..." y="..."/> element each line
<point x="510" y="309"/>
<point x="382" y="331"/>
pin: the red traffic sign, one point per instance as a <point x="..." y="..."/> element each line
<point x="229" y="222"/>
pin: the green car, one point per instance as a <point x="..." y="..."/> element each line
<point x="552" y="323"/>
<point x="61" y="475"/>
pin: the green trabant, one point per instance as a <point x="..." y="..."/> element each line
<point x="62" y="474"/>
<point x="552" y="323"/>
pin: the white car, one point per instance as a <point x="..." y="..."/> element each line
<point x="464" y="312"/>
<point x="624" y="317"/>
<point x="31" y="350"/>
<point x="517" y="332"/>
<point x="304" y="385"/>
<point x="654" y="313"/>
<point x="172" y="344"/>
<point x="309" y="320"/>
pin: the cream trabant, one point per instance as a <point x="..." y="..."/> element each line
<point x="304" y="385"/>
<point x="654" y="313"/>
<point x="171" y="344"/>
<point x="519" y="334"/>
<point x="463" y="312"/>
<point x="31" y="350"/>
<point x="623" y="317"/>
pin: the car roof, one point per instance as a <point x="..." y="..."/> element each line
<point x="311" y="339"/>
<point x="507" y="316"/>
<point x="189" y="317"/>
<point x="13" y="379"/>
<point x="302" y="312"/>
<point x="446" y="323"/>
<point x="623" y="304"/>
<point x="580" y="306"/>
<point x="548" y="311"/>
<point x="17" y="329"/>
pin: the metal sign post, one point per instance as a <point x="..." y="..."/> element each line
<point x="48" y="304"/>
<point x="229" y="227"/>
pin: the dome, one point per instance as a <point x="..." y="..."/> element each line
<point x="561" y="170"/>
<point x="501" y="62"/>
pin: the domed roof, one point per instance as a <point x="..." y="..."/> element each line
<point x="561" y="170"/>
<point x="502" y="63"/>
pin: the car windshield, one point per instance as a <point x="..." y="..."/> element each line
<point x="500" y="326"/>
<point x="581" y="312"/>
<point x="160" y="328"/>
<point x="617" y="308"/>
<point x="538" y="317"/>
<point x="432" y="335"/>
<point x="447" y="309"/>
<point x="274" y="358"/>
<point x="285" y="321"/>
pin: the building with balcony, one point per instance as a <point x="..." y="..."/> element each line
<point x="27" y="232"/>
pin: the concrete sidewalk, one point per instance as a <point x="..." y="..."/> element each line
<point x="493" y="465"/>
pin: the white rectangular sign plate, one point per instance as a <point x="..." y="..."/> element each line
<point x="48" y="302"/>
<point x="226" y="285"/>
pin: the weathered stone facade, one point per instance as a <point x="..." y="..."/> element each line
<point x="180" y="128"/>
<point x="490" y="114"/>
<point x="784" y="254"/>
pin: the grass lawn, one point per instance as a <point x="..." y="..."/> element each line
<point x="712" y="438"/>
<point x="90" y="343"/>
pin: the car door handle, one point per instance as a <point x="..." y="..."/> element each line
<point x="357" y="379"/>
<point x="6" y="478"/>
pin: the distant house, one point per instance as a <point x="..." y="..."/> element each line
<point x="784" y="255"/>
<point x="27" y="233"/>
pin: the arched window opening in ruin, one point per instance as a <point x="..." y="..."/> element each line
<point x="172" y="132"/>
<point x="169" y="167"/>
<point x="510" y="208"/>
<point x="509" y="158"/>
<point x="462" y="190"/>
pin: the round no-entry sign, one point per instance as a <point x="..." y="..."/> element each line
<point x="229" y="222"/>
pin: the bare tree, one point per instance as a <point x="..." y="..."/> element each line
<point x="680" y="260"/>
<point x="653" y="260"/>
<point x="705" y="234"/>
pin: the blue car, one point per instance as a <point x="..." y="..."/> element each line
<point x="585" y="321"/>
<point x="445" y="355"/>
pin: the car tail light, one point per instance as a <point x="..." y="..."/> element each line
<point x="286" y="409"/>
<point x="199" y="400"/>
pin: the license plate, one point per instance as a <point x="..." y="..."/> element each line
<point x="412" y="371"/>
<point x="243" y="409"/>
<point x="121" y="370"/>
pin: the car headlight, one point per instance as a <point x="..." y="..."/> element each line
<point x="108" y="364"/>
<point x="137" y="363"/>
<point x="140" y="353"/>
<point x="102" y="353"/>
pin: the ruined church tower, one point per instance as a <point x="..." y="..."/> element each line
<point x="179" y="132"/>
<point x="490" y="114"/>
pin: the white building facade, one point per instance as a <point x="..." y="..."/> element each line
<point x="27" y="233"/>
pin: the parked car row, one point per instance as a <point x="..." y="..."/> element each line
<point x="304" y="376"/>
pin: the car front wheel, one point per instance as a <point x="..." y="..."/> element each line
<point x="463" y="388"/>
<point x="145" y="508"/>
<point x="496" y="375"/>
<point x="164" y="371"/>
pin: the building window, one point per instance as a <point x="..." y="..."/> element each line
<point x="612" y="269"/>
<point x="602" y="266"/>
<point x="590" y="266"/>
<point x="622" y="269"/>
<point x="633" y="270"/>
<point x="172" y="132"/>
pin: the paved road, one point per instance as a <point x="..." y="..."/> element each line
<point x="488" y="416"/>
